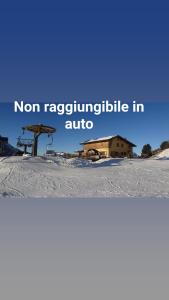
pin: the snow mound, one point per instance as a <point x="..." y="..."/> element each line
<point x="163" y="154"/>
<point x="69" y="163"/>
<point x="83" y="163"/>
<point x="62" y="162"/>
<point x="108" y="162"/>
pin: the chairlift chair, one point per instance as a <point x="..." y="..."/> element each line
<point x="25" y="143"/>
<point x="49" y="148"/>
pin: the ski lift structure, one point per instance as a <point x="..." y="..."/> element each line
<point x="37" y="130"/>
<point x="24" y="143"/>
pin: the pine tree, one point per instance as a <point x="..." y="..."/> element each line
<point x="164" y="145"/>
<point x="146" y="151"/>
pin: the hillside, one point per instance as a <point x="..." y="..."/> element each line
<point x="9" y="150"/>
<point x="164" y="154"/>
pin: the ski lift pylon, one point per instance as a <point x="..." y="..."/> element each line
<point x="37" y="130"/>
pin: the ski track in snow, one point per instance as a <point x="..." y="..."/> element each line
<point x="58" y="177"/>
<point x="8" y="191"/>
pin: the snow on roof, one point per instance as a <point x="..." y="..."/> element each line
<point x="99" y="139"/>
<point x="105" y="138"/>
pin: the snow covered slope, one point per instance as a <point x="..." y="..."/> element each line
<point x="59" y="177"/>
<point x="163" y="154"/>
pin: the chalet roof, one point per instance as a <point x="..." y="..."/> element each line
<point x="3" y="138"/>
<point x="106" y="139"/>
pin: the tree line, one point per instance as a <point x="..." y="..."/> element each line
<point x="147" y="150"/>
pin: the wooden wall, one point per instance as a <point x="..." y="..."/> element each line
<point x="115" y="147"/>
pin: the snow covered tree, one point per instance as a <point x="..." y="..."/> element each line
<point x="146" y="151"/>
<point x="164" y="145"/>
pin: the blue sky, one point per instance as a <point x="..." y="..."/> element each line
<point x="52" y="51"/>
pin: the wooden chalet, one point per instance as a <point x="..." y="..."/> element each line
<point x="111" y="146"/>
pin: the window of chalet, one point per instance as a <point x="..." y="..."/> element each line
<point x="122" y="145"/>
<point x="117" y="144"/>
